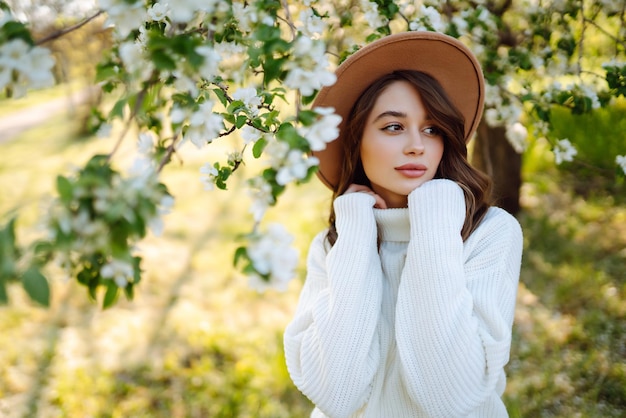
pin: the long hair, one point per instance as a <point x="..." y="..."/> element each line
<point x="453" y="166"/>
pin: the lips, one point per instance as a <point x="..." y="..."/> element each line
<point x="412" y="170"/>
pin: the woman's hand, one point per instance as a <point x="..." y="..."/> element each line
<point x="359" y="188"/>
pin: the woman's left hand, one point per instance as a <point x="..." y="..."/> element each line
<point x="354" y="188"/>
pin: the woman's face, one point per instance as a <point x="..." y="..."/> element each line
<point x="401" y="148"/>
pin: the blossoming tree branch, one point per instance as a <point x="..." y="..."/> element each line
<point x="188" y="73"/>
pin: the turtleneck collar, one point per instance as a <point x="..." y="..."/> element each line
<point x="393" y="224"/>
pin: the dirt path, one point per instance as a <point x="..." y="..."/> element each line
<point x="19" y="121"/>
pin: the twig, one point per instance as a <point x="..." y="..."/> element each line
<point x="171" y="149"/>
<point x="288" y="19"/>
<point x="62" y="32"/>
<point x="605" y="32"/>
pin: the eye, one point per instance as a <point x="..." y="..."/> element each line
<point x="433" y="131"/>
<point x="392" y="127"/>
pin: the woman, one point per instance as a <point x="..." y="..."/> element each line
<point x="409" y="298"/>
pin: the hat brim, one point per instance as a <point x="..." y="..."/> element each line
<point x="444" y="58"/>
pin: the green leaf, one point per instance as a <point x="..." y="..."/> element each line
<point x="17" y="30"/>
<point x="307" y="117"/>
<point x="4" y="298"/>
<point x="9" y="253"/>
<point x="129" y="291"/>
<point x="65" y="189"/>
<point x="241" y="120"/>
<point x="240" y="253"/>
<point x="258" y="147"/>
<point x="111" y="294"/>
<point x="289" y="134"/>
<point x="118" y="109"/>
<point x="106" y="71"/>
<point x="163" y="61"/>
<point x="221" y="96"/>
<point x="36" y="286"/>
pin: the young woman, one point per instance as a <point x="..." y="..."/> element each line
<point x="409" y="298"/>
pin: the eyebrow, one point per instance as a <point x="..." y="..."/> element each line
<point x="391" y="113"/>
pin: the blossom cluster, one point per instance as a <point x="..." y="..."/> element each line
<point x="564" y="151"/>
<point x="24" y="66"/>
<point x="273" y="258"/>
<point x="99" y="217"/>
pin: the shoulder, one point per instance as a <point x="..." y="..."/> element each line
<point x="319" y="244"/>
<point x="496" y="216"/>
<point x="496" y="244"/>
<point x="498" y="226"/>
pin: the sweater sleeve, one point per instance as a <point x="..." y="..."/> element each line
<point x="331" y="345"/>
<point x="455" y="311"/>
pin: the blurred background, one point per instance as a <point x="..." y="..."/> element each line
<point x="198" y="342"/>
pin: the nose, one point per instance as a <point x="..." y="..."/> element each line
<point x="414" y="143"/>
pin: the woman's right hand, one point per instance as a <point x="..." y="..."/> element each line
<point x="359" y="188"/>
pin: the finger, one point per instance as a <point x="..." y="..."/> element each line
<point x="380" y="202"/>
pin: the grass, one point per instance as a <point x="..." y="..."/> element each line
<point x="197" y="342"/>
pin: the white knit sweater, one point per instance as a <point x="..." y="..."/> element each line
<point x="420" y="327"/>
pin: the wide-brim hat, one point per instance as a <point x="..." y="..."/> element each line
<point x="441" y="56"/>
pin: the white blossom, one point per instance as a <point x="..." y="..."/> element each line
<point x="250" y="100"/>
<point x="493" y="98"/>
<point x="145" y="143"/>
<point x="234" y="157"/>
<point x="620" y="160"/>
<point x="460" y="23"/>
<point x="208" y="69"/>
<point x="309" y="24"/>
<point x="185" y="10"/>
<point x="308" y="71"/>
<point x="164" y="208"/>
<point x="184" y="83"/>
<point x="142" y="169"/>
<point x="324" y="130"/>
<point x="431" y="17"/>
<point x="503" y="115"/>
<point x="6" y="73"/>
<point x="233" y="56"/>
<point x="179" y="114"/>
<point x="541" y="128"/>
<point x="104" y="131"/>
<point x="371" y="14"/>
<point x="564" y="151"/>
<point x="32" y="64"/>
<point x="123" y="15"/>
<point x="249" y="134"/>
<point x="590" y="93"/>
<point x="39" y="63"/>
<point x="131" y="54"/>
<point x="272" y="254"/>
<point x="486" y="17"/>
<point x="294" y="167"/>
<point x="158" y="12"/>
<point x="247" y="16"/>
<point x="210" y="174"/>
<point x="121" y="272"/>
<point x="517" y="134"/>
<point x="204" y="125"/>
<point x="261" y="193"/>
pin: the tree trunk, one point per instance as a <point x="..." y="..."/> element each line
<point x="493" y="154"/>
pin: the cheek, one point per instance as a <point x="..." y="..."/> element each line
<point x="437" y="152"/>
<point x="373" y="155"/>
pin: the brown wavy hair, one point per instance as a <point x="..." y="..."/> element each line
<point x="453" y="166"/>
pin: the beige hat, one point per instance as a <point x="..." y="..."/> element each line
<point x="442" y="57"/>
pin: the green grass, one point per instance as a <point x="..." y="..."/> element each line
<point x="197" y="342"/>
